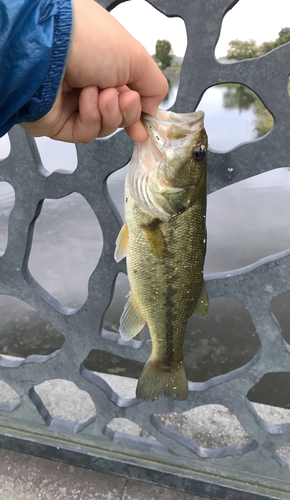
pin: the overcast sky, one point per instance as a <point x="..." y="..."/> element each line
<point x="260" y="20"/>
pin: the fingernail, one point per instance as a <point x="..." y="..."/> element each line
<point x="134" y="109"/>
<point x="113" y="105"/>
<point x="95" y="95"/>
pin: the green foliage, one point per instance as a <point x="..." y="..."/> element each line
<point x="239" y="49"/>
<point x="266" y="47"/>
<point x="284" y="36"/>
<point x="243" y="98"/>
<point x="163" y="53"/>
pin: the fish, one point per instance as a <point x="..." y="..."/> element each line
<point x="164" y="242"/>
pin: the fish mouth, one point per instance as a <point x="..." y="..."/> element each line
<point x="169" y="125"/>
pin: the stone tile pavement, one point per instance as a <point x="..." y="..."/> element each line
<point x="24" y="477"/>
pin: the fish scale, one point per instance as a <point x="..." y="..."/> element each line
<point x="165" y="256"/>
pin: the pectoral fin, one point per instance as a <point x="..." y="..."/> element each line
<point x="131" y="322"/>
<point x="201" y="307"/>
<point x="121" y="244"/>
<point x="155" y="238"/>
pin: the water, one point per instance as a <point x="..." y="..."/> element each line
<point x="231" y="116"/>
<point x="248" y="220"/>
<point x="245" y="222"/>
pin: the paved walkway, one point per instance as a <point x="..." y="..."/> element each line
<point x="24" y="477"/>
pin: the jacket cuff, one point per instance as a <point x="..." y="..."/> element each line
<point x="34" y="49"/>
<point x="43" y="99"/>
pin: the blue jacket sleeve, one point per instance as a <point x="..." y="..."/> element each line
<point x="34" y="43"/>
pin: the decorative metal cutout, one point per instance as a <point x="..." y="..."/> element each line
<point x="171" y="459"/>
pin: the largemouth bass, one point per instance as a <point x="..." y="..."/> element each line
<point x="164" y="241"/>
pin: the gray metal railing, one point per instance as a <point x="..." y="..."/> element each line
<point x="254" y="469"/>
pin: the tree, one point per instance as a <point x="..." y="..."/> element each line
<point x="163" y="53"/>
<point x="266" y="47"/>
<point x="239" y="50"/>
<point x="284" y="36"/>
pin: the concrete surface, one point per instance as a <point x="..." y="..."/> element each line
<point x="24" y="477"/>
<point x="210" y="426"/>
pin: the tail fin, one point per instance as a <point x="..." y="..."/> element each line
<point x="157" y="380"/>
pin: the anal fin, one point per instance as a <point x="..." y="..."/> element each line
<point x="131" y="322"/>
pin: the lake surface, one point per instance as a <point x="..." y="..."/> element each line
<point x="245" y="222"/>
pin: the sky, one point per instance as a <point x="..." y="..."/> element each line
<point x="260" y="20"/>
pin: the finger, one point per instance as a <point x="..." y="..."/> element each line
<point x="137" y="132"/>
<point x="51" y="124"/>
<point x="84" y="123"/>
<point x="121" y="108"/>
<point x="130" y="105"/>
<point x="135" y="129"/>
<point x="147" y="79"/>
<point x="88" y="121"/>
<point x="112" y="117"/>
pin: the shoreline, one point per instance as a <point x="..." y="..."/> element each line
<point x="171" y="72"/>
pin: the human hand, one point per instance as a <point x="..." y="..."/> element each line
<point x="110" y="78"/>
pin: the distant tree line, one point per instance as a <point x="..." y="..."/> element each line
<point x="239" y="50"/>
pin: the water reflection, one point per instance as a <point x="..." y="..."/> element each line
<point x="65" y="251"/>
<point x="248" y="221"/>
<point x="238" y="96"/>
<point x="245" y="221"/>
<point x="242" y="98"/>
<point x="234" y="114"/>
<point x="169" y="99"/>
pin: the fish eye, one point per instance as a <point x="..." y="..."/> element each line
<point x="199" y="153"/>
